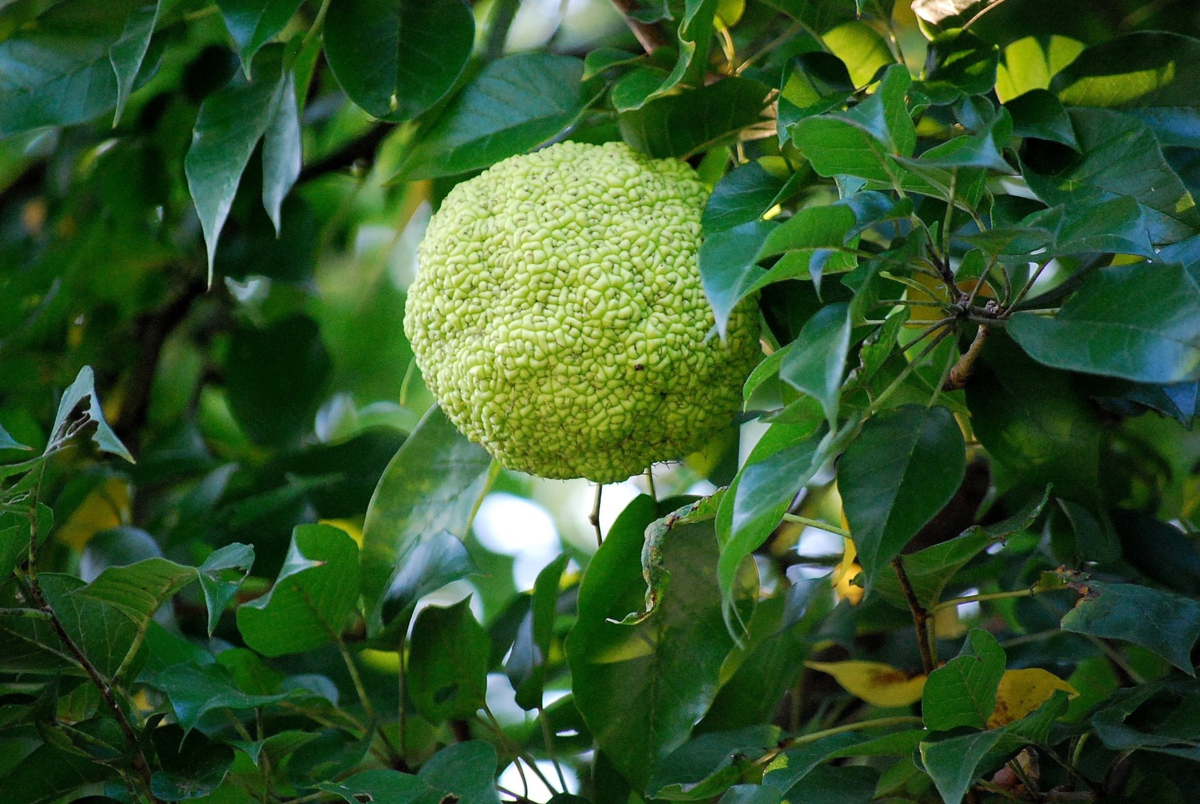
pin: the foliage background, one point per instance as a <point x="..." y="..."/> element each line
<point x="215" y="207"/>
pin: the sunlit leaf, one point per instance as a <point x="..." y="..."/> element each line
<point x="876" y="683"/>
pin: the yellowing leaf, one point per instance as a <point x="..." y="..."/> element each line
<point x="876" y="683"/>
<point x="947" y="625"/>
<point x="844" y="575"/>
<point x="105" y="507"/>
<point x="1023" y="691"/>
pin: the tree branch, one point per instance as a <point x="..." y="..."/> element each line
<point x="919" y="615"/>
<point x="650" y="36"/>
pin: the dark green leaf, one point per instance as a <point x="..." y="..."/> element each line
<point x="195" y="690"/>
<point x="128" y="52"/>
<point x="929" y="570"/>
<point x="1038" y="114"/>
<point x="1151" y="74"/>
<point x="728" y="269"/>
<point x="1120" y="157"/>
<point x="796" y="763"/>
<point x="695" y="31"/>
<point x="814" y="83"/>
<point x="1118" y="224"/>
<point x="231" y="122"/>
<point x="431" y="488"/>
<point x="312" y="599"/>
<point x="751" y="794"/>
<point x="695" y="120"/>
<point x="192" y="767"/>
<point x="640" y="688"/>
<point x="276" y="378"/>
<point x="64" y="68"/>
<point x="762" y="491"/>
<point x="963" y="691"/>
<point x="47" y="774"/>
<point x="826" y="784"/>
<point x="707" y="765"/>
<point x="397" y="58"/>
<point x="817" y="362"/>
<point x="903" y="467"/>
<point x="957" y="64"/>
<point x="1139" y="322"/>
<point x="1161" y="622"/>
<point x="329" y="754"/>
<point x="381" y="786"/>
<point x="526" y="667"/>
<point x="513" y="106"/>
<point x="253" y="23"/>
<point x="953" y="762"/>
<point x="743" y="196"/>
<point x="1033" y="421"/>
<point x="220" y="576"/>
<point x="466" y="770"/>
<point x="447" y="665"/>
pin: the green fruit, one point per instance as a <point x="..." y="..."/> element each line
<point x="559" y="320"/>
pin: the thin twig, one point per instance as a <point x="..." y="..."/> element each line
<point x="816" y="523"/>
<point x="919" y="615"/>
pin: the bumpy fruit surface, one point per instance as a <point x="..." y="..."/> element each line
<point x="558" y="316"/>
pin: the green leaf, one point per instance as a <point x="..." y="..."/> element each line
<point x="953" y="762"/>
<point x="640" y="688"/>
<point x="447" y="665"/>
<point x="275" y="378"/>
<point x="47" y="774"/>
<point x="1161" y="622"/>
<point x="391" y="786"/>
<point x="1139" y="322"/>
<point x="253" y="23"/>
<point x="1118" y="224"/>
<point x="707" y="765"/>
<point x="64" y="68"/>
<point x="104" y="634"/>
<point x="466" y="770"/>
<point x="1120" y="157"/>
<point x="695" y="31"/>
<point x="221" y="575"/>
<point x="827" y="784"/>
<point x="1032" y="420"/>
<point x="794" y="764"/>
<point x="903" y="467"/>
<point x="127" y="53"/>
<point x="751" y="794"/>
<point x="816" y="364"/>
<point x="963" y="691"/>
<point x="397" y="58"/>
<point x="1039" y="115"/>
<point x="512" y="106"/>
<point x="861" y="48"/>
<point x="814" y="83"/>
<point x="192" y="766"/>
<point x="431" y="488"/>
<point x="1164" y="721"/>
<point x="695" y="120"/>
<point x="1151" y="74"/>
<point x="743" y="196"/>
<point x="312" y="599"/>
<point x="231" y="122"/>
<point x="929" y="570"/>
<point x="329" y="754"/>
<point x="8" y="442"/>
<point x="762" y="491"/>
<point x="526" y="666"/>
<point x="727" y="267"/>
<point x="84" y="387"/>
<point x="958" y="64"/>
<point x="195" y="690"/>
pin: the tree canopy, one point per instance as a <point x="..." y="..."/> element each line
<point x="947" y="553"/>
